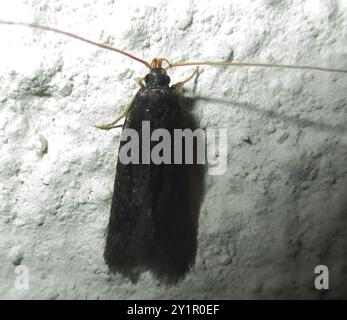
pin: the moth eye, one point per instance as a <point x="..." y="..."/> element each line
<point x="164" y="80"/>
<point x="149" y="79"/>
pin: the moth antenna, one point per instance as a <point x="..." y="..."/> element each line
<point x="101" y="45"/>
<point x="250" y="64"/>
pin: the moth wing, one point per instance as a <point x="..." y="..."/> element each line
<point x="151" y="225"/>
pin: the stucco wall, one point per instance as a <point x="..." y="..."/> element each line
<point x="278" y="211"/>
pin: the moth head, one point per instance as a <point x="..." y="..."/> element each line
<point x="157" y="78"/>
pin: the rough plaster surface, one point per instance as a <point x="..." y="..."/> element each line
<point x="278" y="211"/>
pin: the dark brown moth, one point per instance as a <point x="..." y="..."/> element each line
<point x="151" y="225"/>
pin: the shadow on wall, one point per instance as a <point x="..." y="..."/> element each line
<point x="301" y="123"/>
<point x="313" y="221"/>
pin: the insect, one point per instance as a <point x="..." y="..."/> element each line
<point x="151" y="226"/>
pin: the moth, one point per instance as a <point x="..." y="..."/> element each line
<point x="153" y="223"/>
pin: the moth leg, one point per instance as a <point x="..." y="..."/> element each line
<point x="179" y="85"/>
<point x="139" y="81"/>
<point x="123" y="114"/>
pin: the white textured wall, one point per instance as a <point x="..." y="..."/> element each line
<point x="281" y="208"/>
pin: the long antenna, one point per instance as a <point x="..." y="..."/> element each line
<point x="175" y="64"/>
<point x="250" y="64"/>
<point x="101" y="45"/>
